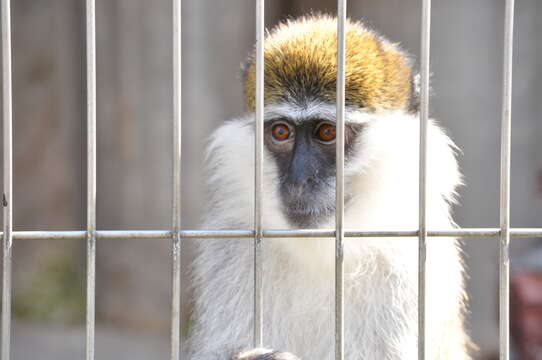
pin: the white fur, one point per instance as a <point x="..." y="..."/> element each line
<point x="380" y="274"/>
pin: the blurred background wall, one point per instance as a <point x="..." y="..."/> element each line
<point x="134" y="146"/>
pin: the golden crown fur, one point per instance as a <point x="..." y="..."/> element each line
<point x="301" y="64"/>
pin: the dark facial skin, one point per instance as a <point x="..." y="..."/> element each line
<point x="305" y="157"/>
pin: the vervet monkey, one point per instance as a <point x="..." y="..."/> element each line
<point x="381" y="192"/>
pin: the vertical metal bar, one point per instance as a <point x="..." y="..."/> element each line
<point x="176" y="221"/>
<point x="258" y="265"/>
<point x="7" y="197"/>
<point x="424" y="114"/>
<point x="91" y="174"/>
<point x="504" y="261"/>
<point x="339" y="186"/>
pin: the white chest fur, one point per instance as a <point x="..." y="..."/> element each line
<point x="380" y="274"/>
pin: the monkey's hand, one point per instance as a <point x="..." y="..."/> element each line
<point x="264" y="354"/>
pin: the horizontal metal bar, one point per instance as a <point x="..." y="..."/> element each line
<point x="276" y="234"/>
<point x="202" y="234"/>
<point x="133" y="234"/>
<point x="50" y="235"/>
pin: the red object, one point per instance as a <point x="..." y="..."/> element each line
<point x="526" y="314"/>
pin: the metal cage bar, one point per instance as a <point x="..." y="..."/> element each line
<point x="422" y="212"/>
<point x="339" y="185"/>
<point x="90" y="15"/>
<point x="258" y="174"/>
<point x="176" y="205"/>
<point x="270" y="234"/>
<point x="7" y="197"/>
<point x="504" y="260"/>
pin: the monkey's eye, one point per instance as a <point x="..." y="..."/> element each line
<point x="325" y="132"/>
<point x="281" y="132"/>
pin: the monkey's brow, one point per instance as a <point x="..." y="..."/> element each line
<point x="299" y="114"/>
<point x="322" y="111"/>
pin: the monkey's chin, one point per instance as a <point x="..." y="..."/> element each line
<point x="305" y="217"/>
<point x="264" y="354"/>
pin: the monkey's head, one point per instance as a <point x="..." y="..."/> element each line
<point x="300" y="111"/>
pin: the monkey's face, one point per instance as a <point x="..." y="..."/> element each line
<point x="300" y="73"/>
<point x="303" y="145"/>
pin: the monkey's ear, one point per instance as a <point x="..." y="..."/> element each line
<point x="414" y="103"/>
<point x="264" y="354"/>
<point x="245" y="65"/>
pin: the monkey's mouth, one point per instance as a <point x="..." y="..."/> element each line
<point x="307" y="214"/>
<point x="310" y="209"/>
<point x="311" y="205"/>
<point x="313" y="211"/>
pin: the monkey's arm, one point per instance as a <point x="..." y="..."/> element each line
<point x="264" y="354"/>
